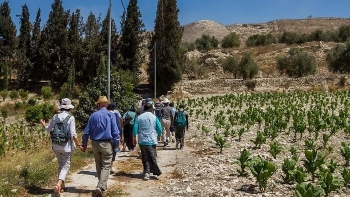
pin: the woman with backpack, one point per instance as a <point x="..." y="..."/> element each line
<point x="129" y="120"/>
<point x="180" y="124"/>
<point x="64" y="141"/>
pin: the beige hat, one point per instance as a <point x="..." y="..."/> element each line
<point x="102" y="99"/>
<point x="165" y="100"/>
<point x="66" y="104"/>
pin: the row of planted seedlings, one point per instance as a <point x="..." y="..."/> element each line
<point x="310" y="128"/>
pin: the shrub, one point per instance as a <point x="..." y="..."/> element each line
<point x="248" y="68"/>
<point x="260" y="40"/>
<point x="46" y="92"/>
<point x="231" y="65"/>
<point x="297" y="64"/>
<point x="4" y="94"/>
<point x="206" y="42"/>
<point x="338" y="58"/>
<point x="23" y="94"/>
<point x="14" y="94"/>
<point x="39" y="111"/>
<point x="231" y="40"/>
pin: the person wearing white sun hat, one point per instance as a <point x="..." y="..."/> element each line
<point x="167" y="115"/>
<point x="63" y="151"/>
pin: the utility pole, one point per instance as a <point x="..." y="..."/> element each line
<point x="109" y="53"/>
<point x="155" y="70"/>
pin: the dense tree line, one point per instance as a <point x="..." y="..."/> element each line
<point x="68" y="48"/>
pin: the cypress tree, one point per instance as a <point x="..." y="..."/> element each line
<point x="91" y="50"/>
<point x="167" y="39"/>
<point x="131" y="38"/>
<point x="24" y="47"/>
<point x="56" y="39"/>
<point x="35" y="43"/>
<point x="8" y="34"/>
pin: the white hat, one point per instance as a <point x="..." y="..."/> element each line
<point x="165" y="100"/>
<point x="66" y="104"/>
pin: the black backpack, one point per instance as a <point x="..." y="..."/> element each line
<point x="60" y="134"/>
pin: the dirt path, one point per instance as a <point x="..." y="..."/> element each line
<point x="128" y="177"/>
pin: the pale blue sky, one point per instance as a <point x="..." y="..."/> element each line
<point x="226" y="12"/>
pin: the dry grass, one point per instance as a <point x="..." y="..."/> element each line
<point x="176" y="174"/>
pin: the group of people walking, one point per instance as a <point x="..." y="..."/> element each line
<point x="111" y="132"/>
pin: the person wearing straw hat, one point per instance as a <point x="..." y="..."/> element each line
<point x="103" y="132"/>
<point x="63" y="151"/>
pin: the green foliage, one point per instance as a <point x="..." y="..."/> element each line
<point x="14" y="94"/>
<point x="299" y="174"/>
<point x="308" y="190"/>
<point x="205" y="130"/>
<point x="345" y="152"/>
<point x="288" y="168"/>
<point x="120" y="92"/>
<point x="260" y="40"/>
<point x="4" y="94"/>
<point x="194" y="69"/>
<point x="221" y="142"/>
<point x="188" y="46"/>
<point x="243" y="162"/>
<point x="31" y="101"/>
<point x="259" y="140"/>
<point x="344" y="33"/>
<point x="248" y="68"/>
<point x="46" y="92"/>
<point x="329" y="183"/>
<point x="332" y="166"/>
<point x="131" y="38"/>
<point x="39" y="111"/>
<point x="4" y="113"/>
<point x="165" y="48"/>
<point x="262" y="170"/>
<point x="313" y="161"/>
<point x="338" y="58"/>
<point x="275" y="149"/>
<point x="230" y="64"/>
<point x="205" y="42"/>
<point x="298" y="63"/>
<point x="292" y="38"/>
<point x="231" y="40"/>
<point x="346" y="176"/>
<point x="24" y="94"/>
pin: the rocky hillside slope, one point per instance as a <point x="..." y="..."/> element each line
<point x="265" y="56"/>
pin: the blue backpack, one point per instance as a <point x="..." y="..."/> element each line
<point x="180" y="120"/>
<point x="60" y="134"/>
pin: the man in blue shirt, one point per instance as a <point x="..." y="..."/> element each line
<point x="103" y="131"/>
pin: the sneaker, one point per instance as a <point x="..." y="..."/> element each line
<point x="177" y="145"/>
<point x="173" y="140"/>
<point x="165" y="144"/>
<point x="98" y="192"/>
<point x="146" y="177"/>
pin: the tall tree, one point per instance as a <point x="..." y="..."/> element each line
<point x="75" y="50"/>
<point x="167" y="39"/>
<point x="8" y="31"/>
<point x="24" y="47"/>
<point x="56" y="37"/>
<point x="35" y="43"/>
<point x="86" y="71"/>
<point x="131" y="38"/>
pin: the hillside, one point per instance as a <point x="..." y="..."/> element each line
<point x="194" y="30"/>
<point x="215" y="80"/>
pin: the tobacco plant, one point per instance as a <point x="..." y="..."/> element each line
<point x="288" y="168"/>
<point x="259" y="140"/>
<point x="243" y="162"/>
<point x="313" y="161"/>
<point x="308" y="190"/>
<point x="345" y="152"/>
<point x="221" y="142"/>
<point x="275" y="149"/>
<point x="346" y="176"/>
<point x="329" y="183"/>
<point x="262" y="170"/>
